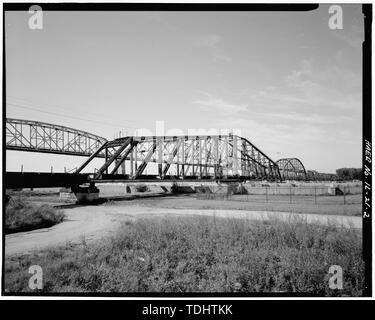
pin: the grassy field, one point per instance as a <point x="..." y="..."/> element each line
<point x="200" y="254"/>
<point x="331" y="205"/>
<point x="24" y="216"/>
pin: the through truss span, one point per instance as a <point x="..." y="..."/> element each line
<point x="291" y="169"/>
<point x="184" y="157"/>
<point x="36" y="136"/>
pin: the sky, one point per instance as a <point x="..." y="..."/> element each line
<point x="284" y="80"/>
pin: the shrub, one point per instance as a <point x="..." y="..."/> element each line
<point x="204" y="254"/>
<point x="22" y="216"/>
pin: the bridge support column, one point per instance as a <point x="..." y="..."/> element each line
<point x="123" y="168"/>
<point x="106" y="159"/>
<point x="159" y="147"/>
<point x="131" y="164"/>
<point x="160" y="170"/>
<point x="88" y="194"/>
<point x="183" y="156"/>
<point x="200" y="157"/>
<point x="206" y="155"/>
<point x="135" y="158"/>
<point x="120" y="167"/>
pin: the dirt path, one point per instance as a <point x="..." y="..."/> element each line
<point x="93" y="222"/>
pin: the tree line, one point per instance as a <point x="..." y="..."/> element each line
<point x="349" y="173"/>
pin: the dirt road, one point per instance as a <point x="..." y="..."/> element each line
<point x="94" y="222"/>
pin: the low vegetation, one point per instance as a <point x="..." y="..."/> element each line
<point x="23" y="216"/>
<point x="349" y="174"/>
<point x="201" y="254"/>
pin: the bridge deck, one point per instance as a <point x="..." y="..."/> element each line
<point x="16" y="180"/>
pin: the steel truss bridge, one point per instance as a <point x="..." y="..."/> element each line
<point x="168" y="157"/>
<point x="194" y="157"/>
<point x="35" y="136"/>
<point x="291" y="169"/>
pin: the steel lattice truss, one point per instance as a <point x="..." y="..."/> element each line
<point x="291" y="169"/>
<point x="182" y="157"/>
<point x="35" y="136"/>
<point x="197" y="157"/>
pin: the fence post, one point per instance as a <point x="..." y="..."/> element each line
<point x="315" y="195"/>
<point x="290" y="194"/>
<point x="344" y="195"/>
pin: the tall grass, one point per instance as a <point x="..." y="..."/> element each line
<point x="202" y="254"/>
<point x="23" y="216"/>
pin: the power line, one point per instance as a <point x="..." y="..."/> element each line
<point x="29" y="103"/>
<point x="68" y="116"/>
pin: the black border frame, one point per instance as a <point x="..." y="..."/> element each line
<point x="366" y="128"/>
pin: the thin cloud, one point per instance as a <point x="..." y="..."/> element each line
<point x="207" y="41"/>
<point x="159" y="18"/>
<point x="294" y="116"/>
<point x="211" y="42"/>
<point x="333" y="87"/>
<point x="301" y="78"/>
<point x="217" y="56"/>
<point x="353" y="36"/>
<point x="220" y="105"/>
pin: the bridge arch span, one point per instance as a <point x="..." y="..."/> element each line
<point x="291" y="169"/>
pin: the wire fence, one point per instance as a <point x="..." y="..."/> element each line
<point x="313" y="195"/>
